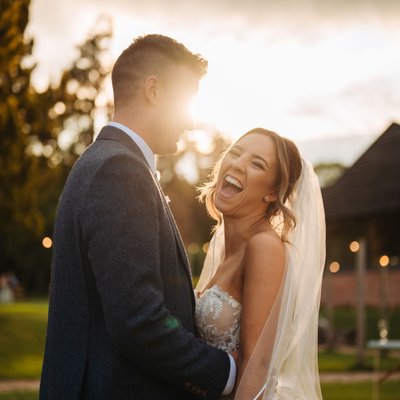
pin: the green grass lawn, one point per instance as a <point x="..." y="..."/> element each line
<point x="19" y="396"/>
<point x="22" y="338"/>
<point x="332" y="361"/>
<point x="359" y="391"/>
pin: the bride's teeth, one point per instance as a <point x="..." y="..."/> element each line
<point x="233" y="181"/>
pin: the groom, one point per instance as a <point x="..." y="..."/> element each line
<point x="121" y="314"/>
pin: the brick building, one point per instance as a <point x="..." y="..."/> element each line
<point x="365" y="203"/>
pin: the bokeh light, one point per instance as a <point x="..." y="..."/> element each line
<point x="354" y="246"/>
<point x="193" y="248"/>
<point x="206" y="247"/>
<point x="384" y="261"/>
<point x="47" y="242"/>
<point x="334" y="267"/>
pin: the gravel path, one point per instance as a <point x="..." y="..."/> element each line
<point x="340" y="377"/>
<point x="20" y="384"/>
<point x="348" y="377"/>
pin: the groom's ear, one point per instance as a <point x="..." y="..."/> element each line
<point x="151" y="88"/>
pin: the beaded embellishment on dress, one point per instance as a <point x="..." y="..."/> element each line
<point x="218" y="318"/>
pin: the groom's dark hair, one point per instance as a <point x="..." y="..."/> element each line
<point x="151" y="55"/>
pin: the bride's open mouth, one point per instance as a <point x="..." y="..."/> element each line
<point x="231" y="186"/>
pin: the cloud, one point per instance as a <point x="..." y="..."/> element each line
<point x="255" y="14"/>
<point x="353" y="110"/>
<point x="240" y="17"/>
<point x="306" y="66"/>
<point x="69" y="22"/>
<point x="343" y="149"/>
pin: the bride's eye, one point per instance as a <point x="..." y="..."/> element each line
<point x="258" y="165"/>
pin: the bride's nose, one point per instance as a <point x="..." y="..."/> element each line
<point x="239" y="163"/>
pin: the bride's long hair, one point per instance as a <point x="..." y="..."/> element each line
<point x="288" y="172"/>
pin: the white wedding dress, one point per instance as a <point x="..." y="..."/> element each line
<point x="284" y="362"/>
<point x="218" y="318"/>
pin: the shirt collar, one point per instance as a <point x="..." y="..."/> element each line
<point x="143" y="146"/>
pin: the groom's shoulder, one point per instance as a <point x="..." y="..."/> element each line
<point x="106" y="151"/>
<point x="106" y="158"/>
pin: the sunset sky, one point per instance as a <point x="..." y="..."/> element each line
<point x="308" y="69"/>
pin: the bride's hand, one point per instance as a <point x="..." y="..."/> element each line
<point x="235" y="355"/>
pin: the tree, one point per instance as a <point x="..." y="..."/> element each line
<point x="35" y="155"/>
<point x="21" y="221"/>
<point x="66" y="127"/>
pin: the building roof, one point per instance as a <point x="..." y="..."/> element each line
<point x="371" y="185"/>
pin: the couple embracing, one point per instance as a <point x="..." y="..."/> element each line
<point x="124" y="320"/>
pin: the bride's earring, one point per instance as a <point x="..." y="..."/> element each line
<point x="266" y="198"/>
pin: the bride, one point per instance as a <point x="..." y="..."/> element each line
<point x="259" y="291"/>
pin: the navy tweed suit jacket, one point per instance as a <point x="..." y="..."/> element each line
<point x="121" y="313"/>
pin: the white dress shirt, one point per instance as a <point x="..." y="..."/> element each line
<point x="151" y="160"/>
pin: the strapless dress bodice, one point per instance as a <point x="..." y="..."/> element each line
<point x="218" y="318"/>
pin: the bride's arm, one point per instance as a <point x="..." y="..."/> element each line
<point x="264" y="263"/>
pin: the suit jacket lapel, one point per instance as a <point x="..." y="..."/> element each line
<point x="178" y="240"/>
<point x="175" y="229"/>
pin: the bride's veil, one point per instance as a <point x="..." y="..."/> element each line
<point x="284" y="362"/>
<point x="214" y="256"/>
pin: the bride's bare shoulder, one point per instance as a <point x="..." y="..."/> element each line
<point x="265" y="249"/>
<point x="265" y="241"/>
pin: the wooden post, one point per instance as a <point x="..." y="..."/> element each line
<point x="329" y="309"/>
<point x="383" y="271"/>
<point x="361" y="261"/>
